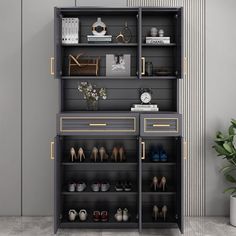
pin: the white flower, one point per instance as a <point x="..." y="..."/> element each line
<point x="104" y="97"/>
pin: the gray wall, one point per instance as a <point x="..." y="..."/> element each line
<point x="220" y="91"/>
<point x="10" y="106"/>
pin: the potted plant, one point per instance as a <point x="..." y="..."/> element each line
<point x="92" y="94"/>
<point x="225" y="146"/>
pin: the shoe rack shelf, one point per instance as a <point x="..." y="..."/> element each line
<point x="135" y="132"/>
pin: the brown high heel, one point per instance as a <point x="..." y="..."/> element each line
<point x="72" y="155"/>
<point x="164" y="212"/>
<point x="103" y="154"/>
<point x="114" y="154"/>
<point x="155" y="183"/>
<point x="155" y="212"/>
<point x="163" y="183"/>
<point x="81" y="155"/>
<point x="94" y="154"/>
<point x="122" y="154"/>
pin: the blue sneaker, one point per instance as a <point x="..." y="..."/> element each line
<point x="154" y="154"/>
<point x="163" y="155"/>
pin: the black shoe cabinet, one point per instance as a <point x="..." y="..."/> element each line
<point x="114" y="125"/>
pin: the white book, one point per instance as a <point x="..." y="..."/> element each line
<point x="145" y="106"/>
<point x="144" y="109"/>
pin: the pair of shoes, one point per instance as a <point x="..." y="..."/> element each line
<point x="123" y="186"/>
<point x="156" y="185"/>
<point x="72" y="215"/>
<point x="118" y="154"/>
<point x="159" y="214"/>
<point x="74" y="157"/>
<point x="122" y="215"/>
<point x="103" y="186"/>
<point x="157" y="154"/>
<point x="100" y="216"/>
<point x="78" y="187"/>
<point x="98" y="154"/>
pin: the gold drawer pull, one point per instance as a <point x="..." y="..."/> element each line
<point x="52" y="66"/>
<point x="161" y="125"/>
<point x="97" y="124"/>
<point x="143" y="66"/>
<point x="52" y="157"/>
<point x="143" y="150"/>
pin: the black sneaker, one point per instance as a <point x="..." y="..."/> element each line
<point x="127" y="186"/>
<point x="119" y="186"/>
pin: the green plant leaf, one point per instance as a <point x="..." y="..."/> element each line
<point x="230" y="178"/>
<point x="226" y="168"/>
<point x="233" y="122"/>
<point x="219" y="135"/>
<point x="231" y="130"/>
<point x="231" y="190"/>
<point x="221" y="151"/>
<point x="227" y="147"/>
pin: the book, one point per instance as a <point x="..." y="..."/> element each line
<point x="145" y="106"/>
<point x="157" y="40"/>
<point x="95" y="38"/>
<point x="70" y="30"/>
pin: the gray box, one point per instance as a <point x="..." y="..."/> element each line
<point x="118" y="65"/>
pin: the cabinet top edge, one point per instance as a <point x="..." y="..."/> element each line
<point x="124" y="9"/>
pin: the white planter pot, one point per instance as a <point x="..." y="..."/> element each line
<point x="233" y="209"/>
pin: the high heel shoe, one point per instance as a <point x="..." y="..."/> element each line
<point x="163" y="183"/>
<point x="155" y="183"/>
<point x="164" y="212"/>
<point x="155" y="212"/>
<point x="81" y="155"/>
<point x="72" y="155"/>
<point x="114" y="154"/>
<point x="94" y="154"/>
<point x="122" y="154"/>
<point x="103" y="154"/>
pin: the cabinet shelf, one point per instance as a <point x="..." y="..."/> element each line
<point x="101" y="45"/>
<point x="159" y="45"/>
<point x="91" y="193"/>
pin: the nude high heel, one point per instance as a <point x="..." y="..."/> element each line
<point x="103" y="154"/>
<point x="164" y="211"/>
<point x="155" y="183"/>
<point x="72" y="154"/>
<point x="155" y="212"/>
<point x="122" y="154"/>
<point x="94" y="154"/>
<point x="81" y="155"/>
<point x="163" y="183"/>
<point x="114" y="154"/>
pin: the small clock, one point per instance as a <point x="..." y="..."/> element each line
<point x="145" y="96"/>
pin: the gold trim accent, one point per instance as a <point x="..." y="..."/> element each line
<point x="185" y="150"/>
<point x="52" y="157"/>
<point x="143" y="150"/>
<point x="161" y="125"/>
<point x="161" y="131"/>
<point x="143" y="66"/>
<point x="94" y="125"/>
<point x="52" y="59"/>
<point x="94" y="130"/>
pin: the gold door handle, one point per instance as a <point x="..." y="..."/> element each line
<point x="161" y="125"/>
<point x="52" y="157"/>
<point x="52" y="59"/>
<point x="143" y="66"/>
<point x="97" y="124"/>
<point x="143" y="150"/>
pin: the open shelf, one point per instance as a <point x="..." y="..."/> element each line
<point x="101" y="45"/>
<point x="159" y="45"/>
<point x="98" y="78"/>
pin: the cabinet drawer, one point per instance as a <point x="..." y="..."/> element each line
<point x="160" y="124"/>
<point x="98" y="123"/>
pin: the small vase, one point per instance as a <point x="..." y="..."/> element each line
<point x="92" y="105"/>
<point x="233" y="210"/>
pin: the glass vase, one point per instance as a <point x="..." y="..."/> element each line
<point x="92" y="105"/>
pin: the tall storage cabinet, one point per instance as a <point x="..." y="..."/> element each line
<point x="115" y="125"/>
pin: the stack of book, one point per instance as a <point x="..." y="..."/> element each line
<point x="70" y="31"/>
<point x="157" y="40"/>
<point x="99" y="39"/>
<point x="142" y="107"/>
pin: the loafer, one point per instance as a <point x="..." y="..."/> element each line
<point x="105" y="186"/>
<point x="80" y="187"/>
<point x="104" y="216"/>
<point x="96" y="216"/>
<point x="95" y="187"/>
